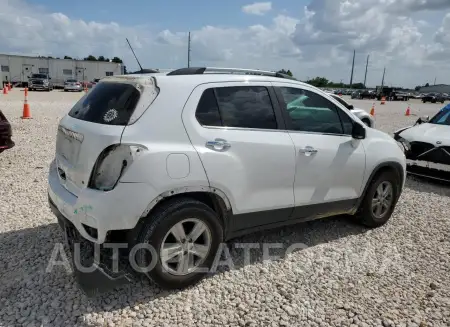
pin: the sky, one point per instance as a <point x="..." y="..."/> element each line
<point x="411" y="38"/>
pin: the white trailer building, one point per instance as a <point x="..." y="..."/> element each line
<point x="16" y="69"/>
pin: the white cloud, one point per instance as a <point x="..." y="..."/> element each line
<point x="257" y="8"/>
<point x="316" y="42"/>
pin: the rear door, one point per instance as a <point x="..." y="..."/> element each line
<point x="239" y="135"/>
<point x="95" y="122"/>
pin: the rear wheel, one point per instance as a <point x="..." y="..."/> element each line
<point x="380" y="200"/>
<point x="185" y="235"/>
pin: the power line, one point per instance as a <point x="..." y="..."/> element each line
<point x="365" y="76"/>
<point x="189" y="50"/>
<point x="353" y="67"/>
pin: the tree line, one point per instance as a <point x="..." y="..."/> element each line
<point x="324" y="82"/>
<point x="117" y="60"/>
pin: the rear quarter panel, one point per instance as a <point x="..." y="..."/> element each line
<point x="160" y="129"/>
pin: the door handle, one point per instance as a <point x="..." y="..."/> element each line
<point x="308" y="150"/>
<point x="218" y="145"/>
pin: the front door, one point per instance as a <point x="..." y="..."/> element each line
<point x="330" y="164"/>
<point x="239" y="135"/>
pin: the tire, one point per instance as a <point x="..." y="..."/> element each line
<point x="365" y="214"/>
<point x="156" y="228"/>
<point x="366" y="122"/>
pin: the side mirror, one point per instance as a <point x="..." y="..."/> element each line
<point x="350" y="107"/>
<point x="358" y="131"/>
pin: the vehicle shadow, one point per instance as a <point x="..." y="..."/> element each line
<point x="31" y="293"/>
<point x="428" y="185"/>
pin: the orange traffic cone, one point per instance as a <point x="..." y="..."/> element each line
<point x="9" y="86"/>
<point x="408" y="111"/>
<point x="383" y="100"/>
<point x="372" y="111"/>
<point x="26" y="107"/>
<point x="5" y="90"/>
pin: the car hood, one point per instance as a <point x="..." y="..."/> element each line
<point x="426" y="132"/>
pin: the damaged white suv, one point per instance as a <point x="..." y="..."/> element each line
<point x="186" y="160"/>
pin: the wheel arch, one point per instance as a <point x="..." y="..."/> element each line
<point x="382" y="167"/>
<point x="211" y="196"/>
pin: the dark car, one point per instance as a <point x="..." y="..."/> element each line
<point x="5" y="133"/>
<point x="433" y="98"/>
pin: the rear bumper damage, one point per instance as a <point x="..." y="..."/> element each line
<point x="96" y="268"/>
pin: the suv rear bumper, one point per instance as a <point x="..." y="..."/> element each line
<point x="94" y="213"/>
<point x="101" y="277"/>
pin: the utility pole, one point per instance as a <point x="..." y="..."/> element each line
<point x="435" y="81"/>
<point x="353" y="66"/>
<point x="382" y="81"/>
<point x="365" y="76"/>
<point x="189" y="50"/>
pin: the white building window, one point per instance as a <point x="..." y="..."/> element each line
<point x="109" y="73"/>
<point x="43" y="70"/>
<point x="67" y="72"/>
<point x="5" y="69"/>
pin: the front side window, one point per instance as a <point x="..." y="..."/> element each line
<point x="237" y="106"/>
<point x="311" y="112"/>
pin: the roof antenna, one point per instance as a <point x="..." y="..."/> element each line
<point x="135" y="56"/>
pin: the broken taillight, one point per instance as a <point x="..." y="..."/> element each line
<point x="112" y="164"/>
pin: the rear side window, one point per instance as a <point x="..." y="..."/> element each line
<point x="107" y="104"/>
<point x="244" y="107"/>
<point x="208" y="110"/>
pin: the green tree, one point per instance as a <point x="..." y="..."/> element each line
<point x="101" y="58"/>
<point x="67" y="57"/>
<point x="117" y="60"/>
<point x="90" y="58"/>
<point x="318" y="82"/>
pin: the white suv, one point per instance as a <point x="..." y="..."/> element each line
<point x="185" y="160"/>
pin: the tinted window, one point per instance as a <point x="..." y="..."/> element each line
<point x="247" y="107"/>
<point x="107" y="103"/>
<point x="347" y="122"/>
<point x="207" y="110"/>
<point x="310" y="112"/>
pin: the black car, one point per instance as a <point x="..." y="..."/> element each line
<point x="433" y="98"/>
<point x="5" y="133"/>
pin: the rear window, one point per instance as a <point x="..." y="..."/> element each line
<point x="107" y="104"/>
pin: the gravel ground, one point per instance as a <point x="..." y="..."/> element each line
<point x="397" y="275"/>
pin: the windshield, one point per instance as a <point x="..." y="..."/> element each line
<point x="442" y="117"/>
<point x="38" y="76"/>
<point x="71" y="80"/>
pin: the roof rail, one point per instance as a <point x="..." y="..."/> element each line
<point x="220" y="70"/>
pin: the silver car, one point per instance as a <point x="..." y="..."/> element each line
<point x="72" y="85"/>
<point x="360" y="113"/>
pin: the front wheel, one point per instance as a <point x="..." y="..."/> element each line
<point x="185" y="235"/>
<point x="380" y="200"/>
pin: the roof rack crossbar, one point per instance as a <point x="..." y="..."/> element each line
<point x="221" y="70"/>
